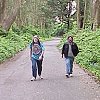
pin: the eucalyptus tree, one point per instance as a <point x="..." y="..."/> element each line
<point x="2" y="9"/>
<point x="96" y="14"/>
<point x="8" y="19"/>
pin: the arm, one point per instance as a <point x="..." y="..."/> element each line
<point x="42" y="53"/>
<point x="43" y="49"/>
<point x="77" y="48"/>
<point x="63" y="50"/>
<point x="30" y="51"/>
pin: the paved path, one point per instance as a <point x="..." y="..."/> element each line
<point x="15" y="78"/>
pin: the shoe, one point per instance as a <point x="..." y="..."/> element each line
<point x="40" y="77"/>
<point x="67" y="75"/>
<point x="33" y="79"/>
<point x="71" y="75"/>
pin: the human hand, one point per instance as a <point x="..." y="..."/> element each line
<point x="62" y="55"/>
<point x="30" y="58"/>
<point x="40" y="58"/>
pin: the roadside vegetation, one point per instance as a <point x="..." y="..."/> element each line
<point x="17" y="39"/>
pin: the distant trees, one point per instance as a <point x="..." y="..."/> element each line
<point x="41" y="12"/>
<point x="88" y="12"/>
<point x="21" y="12"/>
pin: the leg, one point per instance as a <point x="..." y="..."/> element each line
<point x="39" y="65"/>
<point x="67" y="65"/>
<point x="71" y="64"/>
<point x="34" y="68"/>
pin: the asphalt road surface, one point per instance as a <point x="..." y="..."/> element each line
<point x="15" y="75"/>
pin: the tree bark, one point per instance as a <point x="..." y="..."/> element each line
<point x="9" y="20"/>
<point x="2" y="9"/>
<point x="96" y="20"/>
<point x="78" y="14"/>
<point x="98" y="15"/>
<point x="85" y="8"/>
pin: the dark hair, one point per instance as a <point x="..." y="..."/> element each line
<point x="69" y="37"/>
<point x="34" y="42"/>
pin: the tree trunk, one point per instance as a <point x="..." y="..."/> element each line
<point x="2" y="9"/>
<point x="91" y="12"/>
<point x="18" y="17"/>
<point x="9" y="20"/>
<point x="78" y="14"/>
<point x="85" y="8"/>
<point x="96" y="11"/>
<point x="98" y="15"/>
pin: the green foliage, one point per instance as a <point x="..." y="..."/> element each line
<point x="12" y="44"/>
<point x="89" y="47"/>
<point x="57" y="6"/>
<point x="16" y="40"/>
<point x="3" y="32"/>
<point x="89" y="56"/>
<point x="58" y="29"/>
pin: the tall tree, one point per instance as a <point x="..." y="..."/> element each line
<point x="85" y="10"/>
<point x="8" y="21"/>
<point x="2" y="9"/>
<point x="96" y="14"/>
<point x="78" y="14"/>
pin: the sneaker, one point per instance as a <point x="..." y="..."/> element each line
<point x="67" y="75"/>
<point x="33" y="79"/>
<point x="71" y="75"/>
<point x="40" y="77"/>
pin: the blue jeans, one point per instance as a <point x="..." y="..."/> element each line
<point x="69" y="65"/>
<point x="36" y="64"/>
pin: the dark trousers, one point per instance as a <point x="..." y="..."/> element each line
<point x="39" y="65"/>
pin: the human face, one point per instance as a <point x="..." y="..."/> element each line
<point x="70" y="40"/>
<point x="35" y="39"/>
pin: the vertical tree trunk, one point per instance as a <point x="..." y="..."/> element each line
<point x="18" y="17"/>
<point x="78" y="14"/>
<point x="2" y="9"/>
<point x="85" y="9"/>
<point x="98" y="15"/>
<point x="96" y="11"/>
<point x="91" y="12"/>
<point x="9" y="20"/>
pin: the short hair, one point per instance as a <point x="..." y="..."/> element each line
<point x="36" y="36"/>
<point x="69" y="37"/>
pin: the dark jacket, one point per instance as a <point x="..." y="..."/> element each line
<point x="66" y="48"/>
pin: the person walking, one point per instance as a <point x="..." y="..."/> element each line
<point x="36" y="56"/>
<point x="69" y="51"/>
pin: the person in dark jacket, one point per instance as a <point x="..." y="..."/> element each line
<point x="69" y="51"/>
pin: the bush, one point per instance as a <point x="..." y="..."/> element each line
<point x="16" y="40"/>
<point x="12" y="44"/>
